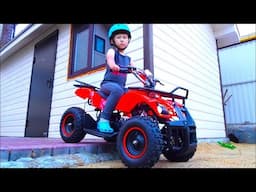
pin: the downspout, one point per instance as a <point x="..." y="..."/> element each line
<point x="221" y="89"/>
<point x="148" y="47"/>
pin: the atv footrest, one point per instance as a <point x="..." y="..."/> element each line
<point x="96" y="132"/>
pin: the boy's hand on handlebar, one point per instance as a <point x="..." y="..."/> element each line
<point x="119" y="69"/>
<point x="115" y="68"/>
<point x="132" y="68"/>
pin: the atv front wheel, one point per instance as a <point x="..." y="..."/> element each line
<point x="139" y="142"/>
<point x="173" y="157"/>
<point x="174" y="149"/>
<point x="72" y="124"/>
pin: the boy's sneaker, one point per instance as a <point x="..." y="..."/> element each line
<point x="103" y="126"/>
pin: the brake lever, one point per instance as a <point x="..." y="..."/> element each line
<point x="158" y="81"/>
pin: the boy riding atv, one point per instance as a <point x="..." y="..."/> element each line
<point x="144" y="122"/>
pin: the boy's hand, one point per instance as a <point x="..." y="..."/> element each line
<point x="115" y="68"/>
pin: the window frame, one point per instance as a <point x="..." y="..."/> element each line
<point x="95" y="43"/>
<point x="90" y="50"/>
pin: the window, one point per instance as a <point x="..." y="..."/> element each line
<point x="99" y="44"/>
<point x="88" y="45"/>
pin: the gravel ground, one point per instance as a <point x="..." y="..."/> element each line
<point x="208" y="155"/>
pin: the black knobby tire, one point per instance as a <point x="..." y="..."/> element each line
<point x="140" y="142"/>
<point x="72" y="124"/>
<point x="174" y="157"/>
<point x="173" y="154"/>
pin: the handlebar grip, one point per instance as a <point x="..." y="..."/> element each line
<point x="126" y="69"/>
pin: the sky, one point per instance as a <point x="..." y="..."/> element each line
<point x="19" y="28"/>
<point x="244" y="29"/>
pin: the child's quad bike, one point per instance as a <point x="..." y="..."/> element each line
<point x="146" y="122"/>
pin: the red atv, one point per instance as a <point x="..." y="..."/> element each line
<point x="147" y="122"/>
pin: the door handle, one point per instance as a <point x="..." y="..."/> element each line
<point x="49" y="83"/>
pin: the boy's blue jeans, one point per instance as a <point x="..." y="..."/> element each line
<point x="112" y="91"/>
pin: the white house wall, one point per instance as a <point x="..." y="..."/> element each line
<point x="63" y="91"/>
<point x="186" y="55"/>
<point x="135" y="51"/>
<point x="15" y="77"/>
<point x="15" y="80"/>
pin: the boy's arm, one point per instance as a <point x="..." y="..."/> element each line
<point x="110" y="57"/>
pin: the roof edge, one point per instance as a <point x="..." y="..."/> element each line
<point x="31" y="32"/>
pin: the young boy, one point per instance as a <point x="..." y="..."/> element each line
<point x="113" y="84"/>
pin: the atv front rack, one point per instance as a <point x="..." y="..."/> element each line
<point x="174" y="96"/>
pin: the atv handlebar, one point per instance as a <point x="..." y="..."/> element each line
<point x="128" y="69"/>
<point x="148" y="80"/>
<point x="144" y="76"/>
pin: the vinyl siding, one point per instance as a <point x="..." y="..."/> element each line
<point x="63" y="90"/>
<point x="186" y="55"/>
<point x="15" y="76"/>
<point x="135" y="51"/>
<point x="15" y="80"/>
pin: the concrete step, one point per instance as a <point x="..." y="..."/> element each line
<point x="14" y="148"/>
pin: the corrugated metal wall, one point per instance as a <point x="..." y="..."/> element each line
<point x="238" y="69"/>
<point x="186" y="55"/>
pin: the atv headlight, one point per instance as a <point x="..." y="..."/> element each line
<point x="162" y="109"/>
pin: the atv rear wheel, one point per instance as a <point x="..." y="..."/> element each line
<point x="139" y="142"/>
<point x="72" y="124"/>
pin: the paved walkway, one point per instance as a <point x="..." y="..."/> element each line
<point x="31" y="152"/>
<point x="13" y="148"/>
